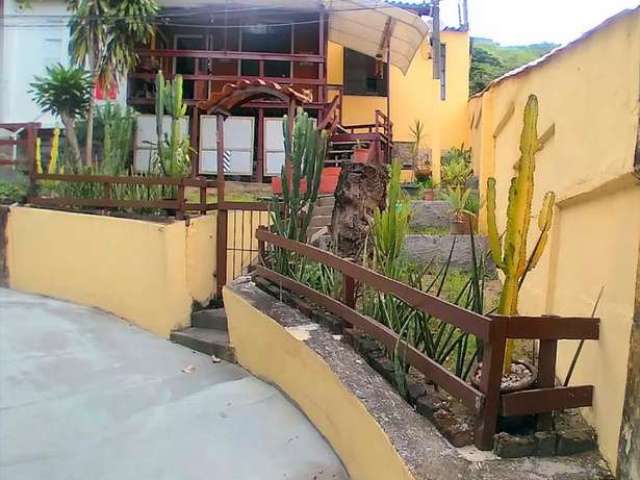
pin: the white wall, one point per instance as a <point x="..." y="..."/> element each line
<point x="31" y="40"/>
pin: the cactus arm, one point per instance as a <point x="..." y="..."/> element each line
<point x="492" y="228"/>
<point x="160" y="95"/>
<point x="545" y="219"/>
<point x="521" y="193"/>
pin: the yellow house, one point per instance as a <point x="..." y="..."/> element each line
<point x="373" y="58"/>
<point x="588" y="93"/>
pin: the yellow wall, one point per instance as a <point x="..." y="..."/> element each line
<point x="146" y="272"/>
<point x="589" y="164"/>
<point x="416" y="96"/>
<point x="274" y="354"/>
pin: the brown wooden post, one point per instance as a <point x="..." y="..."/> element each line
<point x="261" y="248"/>
<point x="349" y="291"/>
<point x="203" y="197"/>
<point x="322" y="49"/>
<point x="31" y="158"/>
<point x="195" y="136"/>
<point x="492" y="364"/>
<point x="180" y="211"/>
<point x="221" y="227"/>
<point x="546" y="376"/>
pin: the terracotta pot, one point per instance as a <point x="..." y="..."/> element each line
<point x="360" y="155"/>
<point x="523" y="384"/>
<point x="459" y="227"/>
<point x="429" y="194"/>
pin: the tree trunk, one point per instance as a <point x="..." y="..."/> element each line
<point x="88" y="146"/>
<point x="362" y="188"/>
<point x="70" y="135"/>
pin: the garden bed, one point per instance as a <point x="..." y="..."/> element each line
<point x="516" y="437"/>
<point x="365" y="420"/>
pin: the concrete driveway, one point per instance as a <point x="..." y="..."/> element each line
<point x="84" y="395"/>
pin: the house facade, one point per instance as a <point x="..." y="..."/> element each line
<point x="375" y="57"/>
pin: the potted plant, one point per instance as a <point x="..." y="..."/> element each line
<point x="462" y="217"/>
<point x="509" y="251"/>
<point x="360" y="153"/>
<point x="428" y="192"/>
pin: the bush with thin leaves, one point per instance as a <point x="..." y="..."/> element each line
<point x="65" y="92"/>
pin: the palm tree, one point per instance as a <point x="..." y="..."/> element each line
<point x="104" y="36"/>
<point x="66" y="93"/>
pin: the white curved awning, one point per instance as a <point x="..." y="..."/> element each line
<point x="361" y="25"/>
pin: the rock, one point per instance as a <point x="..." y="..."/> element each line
<point x="571" y="442"/>
<point x="514" y="446"/>
<point x="316" y="238"/>
<point x="384" y="367"/>
<point x="425" y="248"/>
<point x="416" y="390"/>
<point x="430" y="403"/>
<point x="545" y="443"/>
<point x="430" y="214"/>
<point x="459" y="434"/>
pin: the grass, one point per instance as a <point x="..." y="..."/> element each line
<point x="193" y="195"/>
<point x="438" y="231"/>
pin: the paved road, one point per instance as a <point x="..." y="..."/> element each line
<point x="84" y="395"/>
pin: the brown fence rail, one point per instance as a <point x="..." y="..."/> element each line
<point x="25" y="142"/>
<point x="487" y="402"/>
<point x="179" y="205"/>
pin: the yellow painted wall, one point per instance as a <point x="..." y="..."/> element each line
<point x="148" y="273"/>
<point x="588" y="163"/>
<point x="416" y="96"/>
<point x="274" y="354"/>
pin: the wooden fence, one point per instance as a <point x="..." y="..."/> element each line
<point x="179" y="205"/>
<point x="487" y="402"/>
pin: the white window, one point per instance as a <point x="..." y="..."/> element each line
<point x="146" y="139"/>
<point x="273" y="147"/>
<point x="238" y="145"/>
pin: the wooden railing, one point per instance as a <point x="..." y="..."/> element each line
<point x="27" y="143"/>
<point x="487" y="402"/>
<point x="180" y="205"/>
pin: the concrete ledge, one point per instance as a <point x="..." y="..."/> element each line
<point x="430" y="214"/>
<point x="377" y="435"/>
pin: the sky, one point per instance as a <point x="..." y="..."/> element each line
<point x="520" y="22"/>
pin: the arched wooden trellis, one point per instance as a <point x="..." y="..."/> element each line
<point x="221" y="104"/>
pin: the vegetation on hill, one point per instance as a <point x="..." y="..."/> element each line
<point x="490" y="60"/>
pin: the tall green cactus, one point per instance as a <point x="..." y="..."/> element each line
<point x="173" y="151"/>
<point x="510" y="253"/>
<point x="306" y="150"/>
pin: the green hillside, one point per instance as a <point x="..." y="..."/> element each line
<point x="490" y="60"/>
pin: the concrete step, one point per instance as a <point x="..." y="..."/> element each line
<point x="215" y="319"/>
<point x="323" y="210"/>
<point x="207" y="341"/>
<point x="324" y="201"/>
<point x="320" y="221"/>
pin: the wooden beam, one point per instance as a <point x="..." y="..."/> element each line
<point x="538" y="400"/>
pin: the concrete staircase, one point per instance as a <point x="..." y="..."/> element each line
<point x="208" y="334"/>
<point x="322" y="212"/>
